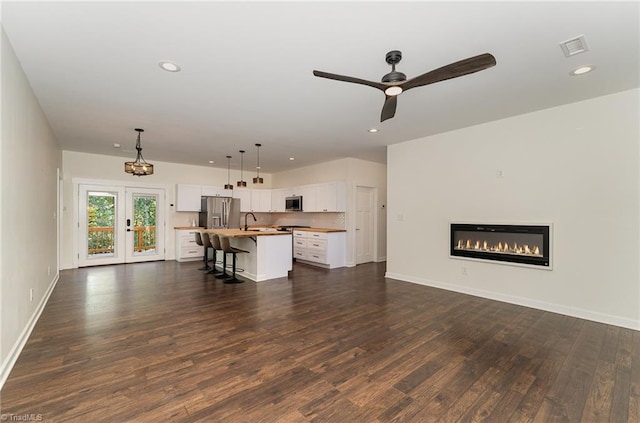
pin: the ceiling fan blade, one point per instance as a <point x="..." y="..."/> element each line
<point x="453" y="70"/>
<point x="343" y="78"/>
<point x="389" y="108"/>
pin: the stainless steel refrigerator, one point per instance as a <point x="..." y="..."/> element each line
<point x="220" y="212"/>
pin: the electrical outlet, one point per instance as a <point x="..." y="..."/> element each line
<point x="30" y="294"/>
<point x="463" y="270"/>
<point x="499" y="174"/>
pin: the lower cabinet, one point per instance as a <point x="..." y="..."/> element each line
<point x="326" y="249"/>
<point x="186" y="247"/>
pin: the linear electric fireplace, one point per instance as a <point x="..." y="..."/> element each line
<point x="528" y="245"/>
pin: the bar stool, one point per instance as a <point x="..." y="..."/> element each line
<point x="215" y="244"/>
<point x="206" y="242"/>
<point x="228" y="249"/>
<point x="205" y="258"/>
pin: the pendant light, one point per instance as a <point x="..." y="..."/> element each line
<point x="258" y="179"/>
<point x="228" y="185"/>
<point x="242" y="183"/>
<point x="139" y="167"/>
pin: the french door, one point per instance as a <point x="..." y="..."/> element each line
<point x="120" y="224"/>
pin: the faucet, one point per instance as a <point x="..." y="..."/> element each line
<point x="246" y="227"/>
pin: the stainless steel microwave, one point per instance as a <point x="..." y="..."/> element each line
<point x="293" y="203"/>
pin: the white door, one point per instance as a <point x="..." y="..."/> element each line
<point x="144" y="224"/>
<point x="364" y="224"/>
<point x="120" y="225"/>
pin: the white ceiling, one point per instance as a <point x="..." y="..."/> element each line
<point x="247" y="72"/>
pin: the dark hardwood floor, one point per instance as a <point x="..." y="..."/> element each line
<point x="155" y="342"/>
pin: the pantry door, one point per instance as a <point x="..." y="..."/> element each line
<point x="120" y="225"/>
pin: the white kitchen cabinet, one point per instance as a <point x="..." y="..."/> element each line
<point x="188" y="198"/>
<point x="332" y="197"/>
<point x="310" y="198"/>
<point x="261" y="200"/>
<point x="211" y="191"/>
<point x="292" y="191"/>
<point x="244" y="194"/>
<point x="278" y="199"/>
<point x="320" y="248"/>
<point x="186" y="247"/>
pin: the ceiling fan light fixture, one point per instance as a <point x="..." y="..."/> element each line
<point x="138" y="167"/>
<point x="258" y="179"/>
<point x="393" y="90"/>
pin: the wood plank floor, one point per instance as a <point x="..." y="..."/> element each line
<point x="155" y="342"/>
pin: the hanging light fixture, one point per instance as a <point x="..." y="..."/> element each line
<point x="242" y="182"/>
<point x="139" y="167"/>
<point x="258" y="179"/>
<point x="228" y="185"/>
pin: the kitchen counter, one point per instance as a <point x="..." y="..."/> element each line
<point x="270" y="253"/>
<point x="241" y="233"/>
<point x="322" y="230"/>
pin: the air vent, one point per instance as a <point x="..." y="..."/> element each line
<point x="574" y="46"/>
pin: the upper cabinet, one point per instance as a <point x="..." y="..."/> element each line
<point x="244" y="194"/>
<point x="209" y="191"/>
<point x="277" y="199"/>
<point x="261" y="200"/>
<point x="188" y="197"/>
<point x="332" y="197"/>
<point x="325" y="197"/>
<point x="310" y="198"/>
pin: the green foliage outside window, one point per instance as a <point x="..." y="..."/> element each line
<point x="101" y="215"/>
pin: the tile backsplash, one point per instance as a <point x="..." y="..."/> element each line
<point x="315" y="220"/>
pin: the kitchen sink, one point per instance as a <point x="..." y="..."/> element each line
<point x="262" y="229"/>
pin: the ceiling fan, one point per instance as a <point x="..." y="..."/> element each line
<point x="394" y="83"/>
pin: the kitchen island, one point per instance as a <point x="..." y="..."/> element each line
<point x="269" y="252"/>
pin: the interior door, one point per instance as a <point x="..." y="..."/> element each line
<point x="364" y="224"/>
<point x="120" y="225"/>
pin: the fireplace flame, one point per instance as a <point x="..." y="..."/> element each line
<point x="503" y="248"/>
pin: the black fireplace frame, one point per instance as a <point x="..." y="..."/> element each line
<point x="544" y="262"/>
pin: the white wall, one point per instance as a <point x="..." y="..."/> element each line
<point x="29" y="160"/>
<point x="576" y="166"/>
<point x="355" y="173"/>
<point x="166" y="175"/>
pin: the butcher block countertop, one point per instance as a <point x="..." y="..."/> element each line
<point x="188" y="227"/>
<point x="239" y="233"/>
<point x="325" y="230"/>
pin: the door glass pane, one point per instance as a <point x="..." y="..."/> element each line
<point x="101" y="223"/>
<point x="144" y="223"/>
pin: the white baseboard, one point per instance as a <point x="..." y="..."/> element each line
<point x="526" y="302"/>
<point x="15" y="351"/>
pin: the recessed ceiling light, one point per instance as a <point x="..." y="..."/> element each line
<point x="169" y="66"/>
<point x="582" y="70"/>
<point x="373" y="130"/>
<point x="116" y="145"/>
<point x="211" y="161"/>
<point x="292" y="158"/>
